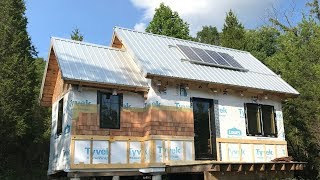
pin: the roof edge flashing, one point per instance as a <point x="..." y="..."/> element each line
<point x="86" y="43"/>
<point x="163" y="36"/>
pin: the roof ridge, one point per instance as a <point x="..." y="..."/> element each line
<point x="163" y="36"/>
<point x="86" y="43"/>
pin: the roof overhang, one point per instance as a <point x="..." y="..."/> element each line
<point x="212" y="85"/>
<point x="106" y="85"/>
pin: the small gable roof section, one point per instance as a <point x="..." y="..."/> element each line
<point x="159" y="55"/>
<point x="87" y="63"/>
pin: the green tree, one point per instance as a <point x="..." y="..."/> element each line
<point x="208" y="35"/>
<point x="315" y="8"/>
<point x="16" y="82"/>
<point x="166" y="22"/>
<point x="262" y="43"/>
<point x="298" y="62"/>
<point x="76" y="35"/>
<point x="233" y="33"/>
<point x="19" y="140"/>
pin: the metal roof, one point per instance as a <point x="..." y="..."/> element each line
<point x="158" y="55"/>
<point x="88" y="62"/>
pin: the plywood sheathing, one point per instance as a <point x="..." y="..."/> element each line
<point x="116" y="43"/>
<point x="50" y="81"/>
<point x="58" y="88"/>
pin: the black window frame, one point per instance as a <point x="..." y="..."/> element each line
<point x="60" y="117"/>
<point x="261" y="119"/>
<point x="106" y="125"/>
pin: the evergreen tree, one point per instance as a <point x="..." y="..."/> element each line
<point x="18" y="106"/>
<point x="16" y="70"/>
<point x="166" y="22"/>
<point x="208" y="35"/>
<point x="76" y="35"/>
<point x="233" y="33"/>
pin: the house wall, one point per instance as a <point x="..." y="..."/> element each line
<point x="138" y="117"/>
<point x="230" y="121"/>
<point x="59" y="157"/>
<point x="166" y="115"/>
<point x="229" y="113"/>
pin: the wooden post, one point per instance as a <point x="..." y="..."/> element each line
<point x="184" y="150"/>
<point x="143" y="150"/>
<point x="128" y="152"/>
<point x="165" y="151"/>
<point x="264" y="152"/>
<point x="240" y="152"/>
<point x="72" y="152"/>
<point x="227" y="147"/>
<point x="218" y="151"/>
<point x="153" y="151"/>
<point x="91" y="151"/>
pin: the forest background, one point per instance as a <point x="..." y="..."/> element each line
<point x="292" y="51"/>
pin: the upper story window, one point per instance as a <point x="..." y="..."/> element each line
<point x="109" y="110"/>
<point x="60" y="117"/>
<point x="260" y="120"/>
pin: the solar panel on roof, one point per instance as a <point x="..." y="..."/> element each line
<point x="189" y="53"/>
<point x="209" y="57"/>
<point x="203" y="55"/>
<point x="217" y="58"/>
<point x="230" y="60"/>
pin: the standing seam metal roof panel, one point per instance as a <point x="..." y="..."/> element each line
<point x="158" y="55"/>
<point x="88" y="62"/>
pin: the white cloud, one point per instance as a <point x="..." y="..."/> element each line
<point x="140" y="27"/>
<point x="209" y="12"/>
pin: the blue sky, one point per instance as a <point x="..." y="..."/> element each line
<point x="96" y="19"/>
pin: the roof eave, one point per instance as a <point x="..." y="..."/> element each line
<point x="96" y="84"/>
<point x="280" y="93"/>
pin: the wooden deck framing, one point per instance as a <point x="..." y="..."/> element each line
<point x="216" y="166"/>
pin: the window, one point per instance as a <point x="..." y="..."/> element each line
<point x="60" y="117"/>
<point x="253" y="119"/>
<point x="183" y="91"/>
<point x="260" y="120"/>
<point x="109" y="110"/>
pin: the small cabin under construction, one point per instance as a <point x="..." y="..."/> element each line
<point x="151" y="106"/>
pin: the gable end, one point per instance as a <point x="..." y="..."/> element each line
<point x="52" y="81"/>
